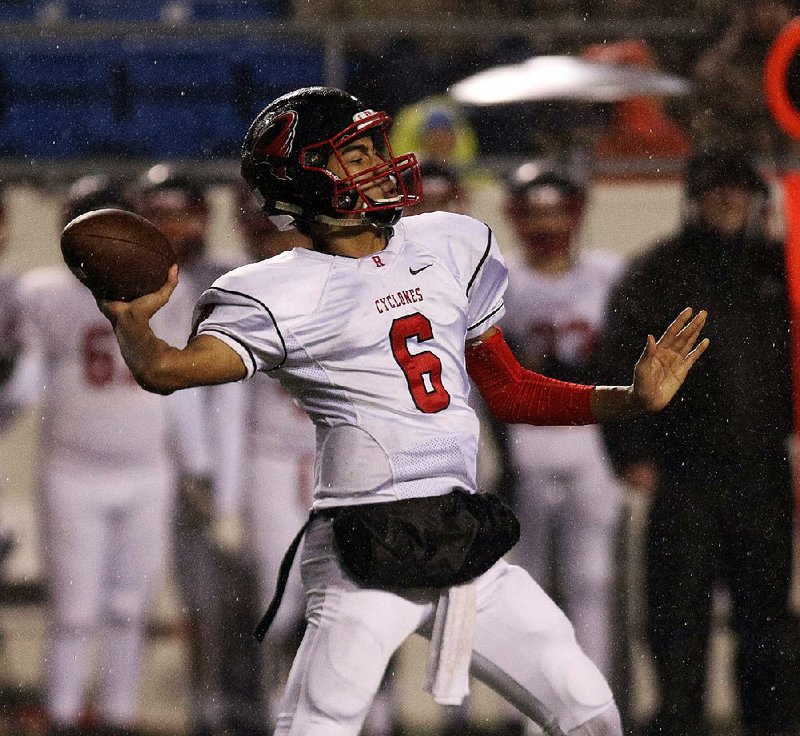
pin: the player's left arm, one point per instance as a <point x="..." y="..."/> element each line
<point x="156" y="365"/>
<point x="514" y="394"/>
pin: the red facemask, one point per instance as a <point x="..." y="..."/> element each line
<point x="349" y="193"/>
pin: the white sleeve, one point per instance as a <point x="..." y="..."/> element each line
<point x="243" y="323"/>
<point x="485" y="289"/>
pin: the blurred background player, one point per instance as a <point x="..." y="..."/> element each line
<point x="280" y="471"/>
<point x="9" y="350"/>
<point x="104" y="482"/>
<point x="565" y="492"/>
<point x="716" y="463"/>
<point x="215" y="582"/>
<point x="443" y="191"/>
<point x="9" y="312"/>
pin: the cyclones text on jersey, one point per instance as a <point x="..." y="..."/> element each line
<point x="398" y="299"/>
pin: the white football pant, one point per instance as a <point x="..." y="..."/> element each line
<point x="524" y="648"/>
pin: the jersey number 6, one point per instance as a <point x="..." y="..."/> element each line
<point x="423" y="371"/>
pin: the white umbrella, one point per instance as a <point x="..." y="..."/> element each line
<point x="565" y="78"/>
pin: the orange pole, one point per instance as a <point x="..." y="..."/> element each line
<point x="791" y="192"/>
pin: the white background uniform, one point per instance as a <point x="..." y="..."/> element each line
<point x="207" y="441"/>
<point x="565" y="491"/>
<point x="208" y="433"/>
<point x="280" y="484"/>
<point x="373" y="348"/>
<point x="279" y="479"/>
<point x="105" y="487"/>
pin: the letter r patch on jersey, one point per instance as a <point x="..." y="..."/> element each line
<point x="378" y="262"/>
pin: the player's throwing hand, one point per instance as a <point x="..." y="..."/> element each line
<point x="143" y="308"/>
<point x="664" y="364"/>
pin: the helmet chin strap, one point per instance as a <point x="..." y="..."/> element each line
<point x="342" y="222"/>
<point x="282" y="222"/>
<point x="297" y="214"/>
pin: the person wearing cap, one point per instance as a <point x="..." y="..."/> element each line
<point x="438" y="131"/>
<point x="716" y="462"/>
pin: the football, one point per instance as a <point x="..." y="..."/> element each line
<point x="118" y="254"/>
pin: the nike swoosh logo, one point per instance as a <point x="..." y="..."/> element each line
<point x="415" y="271"/>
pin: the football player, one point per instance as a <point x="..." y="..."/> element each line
<point x="104" y="485"/>
<point x="443" y="191"/>
<point x="212" y="577"/>
<point x="376" y="330"/>
<point x="565" y="492"/>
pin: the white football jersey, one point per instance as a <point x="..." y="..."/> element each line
<point x="277" y="423"/>
<point x="93" y="412"/>
<point x="373" y="349"/>
<point x="558" y="318"/>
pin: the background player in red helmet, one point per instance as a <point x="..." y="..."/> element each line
<point x="565" y="491"/>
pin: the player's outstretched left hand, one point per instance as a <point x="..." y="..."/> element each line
<point x="664" y="364"/>
<point x="145" y="306"/>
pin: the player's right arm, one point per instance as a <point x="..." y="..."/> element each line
<point x="156" y="365"/>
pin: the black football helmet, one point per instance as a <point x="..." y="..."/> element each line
<point x="286" y="152"/>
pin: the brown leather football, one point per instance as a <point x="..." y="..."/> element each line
<point x="118" y="254"/>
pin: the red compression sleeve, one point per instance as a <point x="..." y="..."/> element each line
<point x="514" y="394"/>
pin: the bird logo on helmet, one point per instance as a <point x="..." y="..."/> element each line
<point x="289" y="147"/>
<point x="275" y="142"/>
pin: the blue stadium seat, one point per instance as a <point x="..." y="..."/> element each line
<point x="178" y="69"/>
<point x="182" y="102"/>
<point x="95" y="10"/>
<point x="185" y="130"/>
<point x="18" y="10"/>
<point x="269" y="69"/>
<point x="40" y="128"/>
<point x="181" y="98"/>
<point x="55" y="103"/>
<point x="239" y="9"/>
<point x="36" y="70"/>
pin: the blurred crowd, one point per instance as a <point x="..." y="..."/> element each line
<point x="213" y="483"/>
<point x="723" y="59"/>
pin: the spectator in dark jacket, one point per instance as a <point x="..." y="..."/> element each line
<point x="716" y="461"/>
